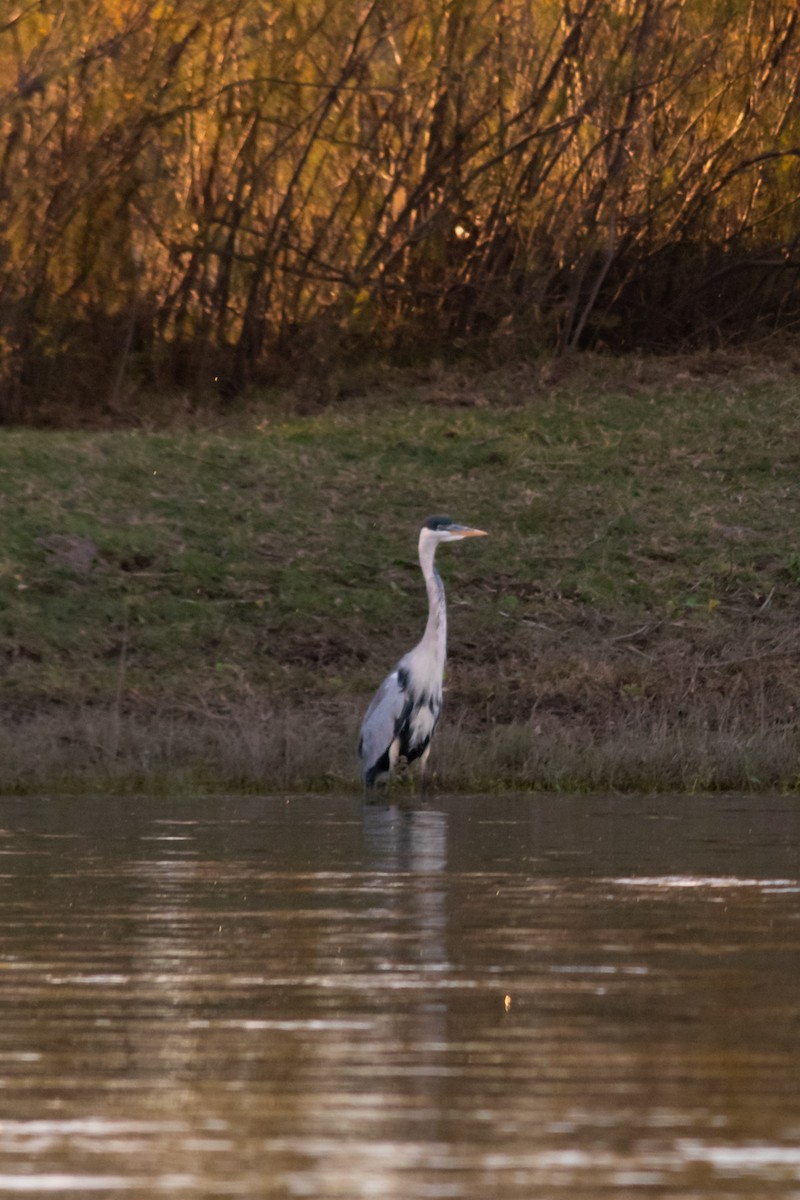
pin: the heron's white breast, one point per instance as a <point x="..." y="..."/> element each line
<point x="422" y="724"/>
<point x="426" y="670"/>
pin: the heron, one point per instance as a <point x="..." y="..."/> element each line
<point x="401" y="719"/>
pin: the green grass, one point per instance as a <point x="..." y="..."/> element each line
<point x="630" y="622"/>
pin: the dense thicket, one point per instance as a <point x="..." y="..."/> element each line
<point x="200" y="190"/>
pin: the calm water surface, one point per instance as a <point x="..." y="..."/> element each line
<point x="520" y="997"/>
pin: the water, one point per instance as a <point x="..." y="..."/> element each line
<point x="519" y="997"/>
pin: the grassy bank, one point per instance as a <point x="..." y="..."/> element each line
<point x="208" y="602"/>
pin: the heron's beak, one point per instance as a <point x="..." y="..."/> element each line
<point x="466" y="532"/>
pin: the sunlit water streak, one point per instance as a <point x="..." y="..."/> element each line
<point x="518" y="996"/>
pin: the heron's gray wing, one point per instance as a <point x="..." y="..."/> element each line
<point x="379" y="728"/>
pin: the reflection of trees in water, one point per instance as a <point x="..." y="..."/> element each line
<point x="318" y="988"/>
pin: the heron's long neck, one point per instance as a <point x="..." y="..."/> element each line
<point x="435" y="635"/>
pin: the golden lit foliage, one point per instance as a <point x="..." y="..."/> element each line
<point x="189" y="187"/>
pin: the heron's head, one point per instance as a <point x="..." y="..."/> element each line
<point x="442" y="529"/>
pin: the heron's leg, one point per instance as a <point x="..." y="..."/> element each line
<point x="423" y="771"/>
